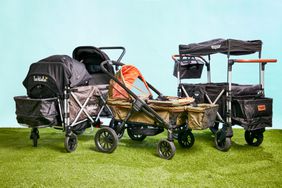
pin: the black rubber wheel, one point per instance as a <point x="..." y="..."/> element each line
<point x="114" y="125"/>
<point x="106" y="140"/>
<point x="71" y="142"/>
<point x="253" y="138"/>
<point x="222" y="144"/>
<point x="166" y="149"/>
<point x="34" y="135"/>
<point x="133" y="136"/>
<point x="214" y="129"/>
<point x="186" y="139"/>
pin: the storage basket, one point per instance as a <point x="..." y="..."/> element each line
<point x="36" y="112"/>
<point x="202" y="116"/>
<point x="252" y="113"/>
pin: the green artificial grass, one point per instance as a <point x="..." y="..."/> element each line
<point x="135" y="164"/>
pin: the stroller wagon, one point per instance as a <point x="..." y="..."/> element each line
<point x="61" y="94"/>
<point x="244" y="105"/>
<point x="134" y="109"/>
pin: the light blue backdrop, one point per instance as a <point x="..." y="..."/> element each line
<point x="150" y="30"/>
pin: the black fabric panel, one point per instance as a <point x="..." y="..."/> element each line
<point x="36" y="112"/>
<point x="235" y="47"/>
<point x="249" y="108"/>
<point x="189" y="68"/>
<point x="41" y="77"/>
<point x="49" y="76"/>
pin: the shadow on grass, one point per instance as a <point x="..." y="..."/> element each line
<point x="51" y="139"/>
<point x="16" y="139"/>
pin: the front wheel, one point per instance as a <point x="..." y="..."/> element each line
<point x="166" y="149"/>
<point x="253" y="138"/>
<point x="106" y="140"/>
<point x="71" y="142"/>
<point x="222" y="142"/>
<point x="186" y="139"/>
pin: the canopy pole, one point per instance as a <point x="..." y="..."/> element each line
<point x="229" y="91"/>
<point x="261" y="75"/>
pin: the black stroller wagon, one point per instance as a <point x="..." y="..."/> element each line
<point x="134" y="109"/>
<point x="65" y="93"/>
<point x="244" y="105"/>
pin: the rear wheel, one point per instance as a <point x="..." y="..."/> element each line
<point x="106" y="140"/>
<point x="115" y="125"/>
<point x="186" y="139"/>
<point x="222" y="142"/>
<point x="166" y="149"/>
<point x="133" y="135"/>
<point x="71" y="142"/>
<point x="254" y="138"/>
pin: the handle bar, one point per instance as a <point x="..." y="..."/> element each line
<point x="253" y="60"/>
<point x="115" y="48"/>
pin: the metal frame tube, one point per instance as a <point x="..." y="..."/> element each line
<point x="209" y="69"/>
<point x="66" y="109"/>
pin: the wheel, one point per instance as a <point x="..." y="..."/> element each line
<point x="115" y="125"/>
<point x="166" y="149"/>
<point x="34" y="135"/>
<point x="106" y="140"/>
<point x="222" y="143"/>
<point x="71" y="142"/>
<point x="253" y="138"/>
<point x="214" y="129"/>
<point x="186" y="139"/>
<point x="133" y="135"/>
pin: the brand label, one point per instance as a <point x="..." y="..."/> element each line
<point x="40" y="78"/>
<point x="261" y="107"/>
<point x="214" y="47"/>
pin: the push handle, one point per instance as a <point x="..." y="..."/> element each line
<point x="115" y="48"/>
<point x="253" y="60"/>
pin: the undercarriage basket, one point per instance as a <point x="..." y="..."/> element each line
<point x="202" y="116"/>
<point x="252" y="113"/>
<point x="36" y="112"/>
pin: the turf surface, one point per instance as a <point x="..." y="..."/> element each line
<point x="136" y="164"/>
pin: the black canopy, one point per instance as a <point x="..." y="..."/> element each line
<point x="49" y="76"/>
<point x="92" y="57"/>
<point x="231" y="46"/>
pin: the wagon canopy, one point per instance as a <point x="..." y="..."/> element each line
<point x="92" y="58"/>
<point x="231" y="46"/>
<point x="49" y="76"/>
<point x="131" y="77"/>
